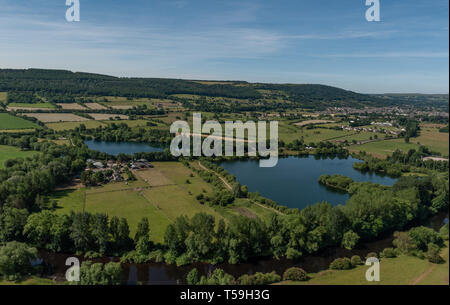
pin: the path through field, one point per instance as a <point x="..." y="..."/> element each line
<point x="427" y="272"/>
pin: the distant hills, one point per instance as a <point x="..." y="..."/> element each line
<point x="61" y="82"/>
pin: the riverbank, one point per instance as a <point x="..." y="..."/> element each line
<point x="402" y="270"/>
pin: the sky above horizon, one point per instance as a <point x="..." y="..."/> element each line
<point x="279" y="41"/>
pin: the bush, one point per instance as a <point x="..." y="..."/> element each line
<point x="156" y="256"/>
<point x="388" y="253"/>
<point x="349" y="240"/>
<point x="372" y="254"/>
<point x="356" y="260"/>
<point x="218" y="277"/>
<point x="403" y="242"/>
<point x="422" y="236"/>
<point x="444" y="232"/>
<point x="341" y="264"/>
<point x="433" y="254"/>
<point x="193" y="277"/>
<point x="295" y="274"/>
<point x="99" y="274"/>
<point x="259" y="279"/>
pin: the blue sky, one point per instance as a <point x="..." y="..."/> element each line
<point x="281" y="41"/>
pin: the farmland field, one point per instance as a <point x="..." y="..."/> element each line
<point x="106" y="116"/>
<point x="8" y="121"/>
<point x="361" y="136"/>
<point x="16" y="130"/>
<point x="56" y="117"/>
<point x="161" y="194"/>
<point x="304" y="123"/>
<point x="384" y="147"/>
<point x="435" y="140"/>
<point x="154" y="177"/>
<point x="71" y="106"/>
<point x="130" y="123"/>
<point x="72" y="125"/>
<point x="117" y="102"/>
<point x="132" y="206"/>
<point x="95" y="106"/>
<point x="289" y="133"/>
<point x="26" y="106"/>
<point x="11" y="152"/>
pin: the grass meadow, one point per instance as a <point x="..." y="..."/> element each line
<point x="10" y="152"/>
<point x="61" y="126"/>
<point x="402" y="270"/>
<point x="10" y="122"/>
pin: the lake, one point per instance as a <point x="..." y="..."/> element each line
<point x="115" y="148"/>
<point x="294" y="181"/>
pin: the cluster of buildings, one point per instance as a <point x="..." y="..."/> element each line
<point x="117" y="168"/>
<point x="141" y="164"/>
<point x="374" y="129"/>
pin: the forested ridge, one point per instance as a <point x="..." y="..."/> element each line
<point x="86" y="84"/>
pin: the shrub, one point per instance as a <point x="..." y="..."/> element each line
<point x="444" y="232"/>
<point x="156" y="256"/>
<point x="433" y="254"/>
<point x="218" y="277"/>
<point x="295" y="274"/>
<point x="341" y="264"/>
<point x="182" y="260"/>
<point x="422" y="236"/>
<point x="372" y="254"/>
<point x="403" y="242"/>
<point x="388" y="253"/>
<point x="193" y="277"/>
<point x="99" y="274"/>
<point x="259" y="278"/>
<point x="356" y="260"/>
<point x="349" y="240"/>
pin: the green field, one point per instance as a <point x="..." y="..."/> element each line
<point x="161" y="194"/>
<point x="32" y="105"/>
<point x="33" y="280"/>
<point x="439" y="274"/>
<point x="403" y="270"/>
<point x="61" y="126"/>
<point x="133" y="206"/>
<point x="69" y="200"/>
<point x="8" y="122"/>
<point x="10" y="152"/>
<point x="435" y="140"/>
<point x="385" y="147"/>
<point x="129" y="123"/>
<point x="361" y="136"/>
<point x="16" y="130"/>
<point x="289" y="132"/>
<point x="243" y="207"/>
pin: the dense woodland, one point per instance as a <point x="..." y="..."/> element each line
<point x="65" y="86"/>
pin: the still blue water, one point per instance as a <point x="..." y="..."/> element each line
<point x="115" y="148"/>
<point x="294" y="181"/>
